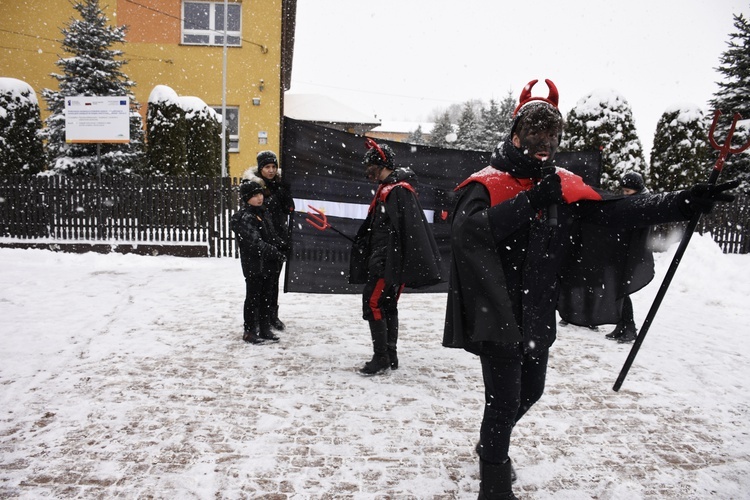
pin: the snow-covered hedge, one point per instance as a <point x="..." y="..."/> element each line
<point x="21" y="150"/>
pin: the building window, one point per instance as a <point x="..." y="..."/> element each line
<point x="233" y="126"/>
<point x="203" y="23"/>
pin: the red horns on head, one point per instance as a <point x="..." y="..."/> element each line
<point x="372" y="144"/>
<point x="525" y="98"/>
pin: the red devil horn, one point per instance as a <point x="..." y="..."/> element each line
<point x="372" y="144"/>
<point x="554" y="96"/>
<point x="526" y="92"/>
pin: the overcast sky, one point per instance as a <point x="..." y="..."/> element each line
<point x="402" y="59"/>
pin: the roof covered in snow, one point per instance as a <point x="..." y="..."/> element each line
<point x="320" y="108"/>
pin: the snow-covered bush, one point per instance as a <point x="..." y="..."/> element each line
<point x="603" y="120"/>
<point x="21" y="149"/>
<point x="167" y="133"/>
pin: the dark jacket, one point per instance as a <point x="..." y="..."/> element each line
<point x="509" y="264"/>
<point x="280" y="205"/>
<point x="395" y="241"/>
<point x="259" y="245"/>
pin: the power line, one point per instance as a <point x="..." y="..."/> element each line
<point x="263" y="48"/>
<point x="134" y="57"/>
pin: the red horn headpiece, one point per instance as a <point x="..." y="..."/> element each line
<point x="526" y="98"/>
<point x="372" y="144"/>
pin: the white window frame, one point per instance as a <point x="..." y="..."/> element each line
<point x="233" y="126"/>
<point x="214" y="34"/>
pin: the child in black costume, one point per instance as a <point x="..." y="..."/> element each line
<point x="260" y="257"/>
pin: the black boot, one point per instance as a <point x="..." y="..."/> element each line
<point x="380" y="361"/>
<point x="251" y="335"/>
<point x="495" y="481"/>
<point x="628" y="336"/>
<point x="265" y="331"/>
<point x="276" y="323"/>
<point x="392" y="323"/>
<point x="616" y="333"/>
<point x="513" y="475"/>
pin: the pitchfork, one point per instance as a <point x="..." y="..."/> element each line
<point x="724" y="150"/>
<point x="319" y="221"/>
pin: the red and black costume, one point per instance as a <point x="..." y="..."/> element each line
<point x="394" y="248"/>
<point x="508" y="269"/>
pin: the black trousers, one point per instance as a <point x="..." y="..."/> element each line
<point x="513" y="382"/>
<point x="258" y="296"/>
<point x="378" y="299"/>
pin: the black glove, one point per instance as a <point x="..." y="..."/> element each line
<point x="701" y="197"/>
<point x="547" y="192"/>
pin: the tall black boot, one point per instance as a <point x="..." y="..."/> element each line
<point x="379" y="362"/>
<point x="265" y="327"/>
<point x="276" y="323"/>
<point x="495" y="481"/>
<point x="392" y="323"/>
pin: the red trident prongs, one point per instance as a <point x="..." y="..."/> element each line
<point x="725" y="148"/>
<point x="318" y="220"/>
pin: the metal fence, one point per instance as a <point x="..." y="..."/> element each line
<point x="189" y="215"/>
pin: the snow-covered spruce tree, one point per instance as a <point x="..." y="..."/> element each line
<point x="416" y="136"/>
<point x="733" y="97"/>
<point x="91" y="69"/>
<point x="440" y="131"/>
<point x="602" y="120"/>
<point x="468" y="128"/>
<point x="167" y="131"/>
<point x="21" y="149"/>
<point x="495" y="122"/>
<point x="203" y="138"/>
<point x="680" y="156"/>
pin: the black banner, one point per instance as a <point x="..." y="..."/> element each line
<point x="324" y="169"/>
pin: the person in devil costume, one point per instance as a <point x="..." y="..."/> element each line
<point x="394" y="248"/>
<point x="513" y="245"/>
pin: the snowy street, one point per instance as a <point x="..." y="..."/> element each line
<point x="125" y="376"/>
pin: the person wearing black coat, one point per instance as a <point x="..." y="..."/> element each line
<point x="512" y="242"/>
<point x="632" y="184"/>
<point x="280" y="205"/>
<point x="394" y="248"/>
<point x="260" y="256"/>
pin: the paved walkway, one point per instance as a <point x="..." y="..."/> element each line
<point x="186" y="410"/>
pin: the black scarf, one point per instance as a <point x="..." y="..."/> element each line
<point x="509" y="158"/>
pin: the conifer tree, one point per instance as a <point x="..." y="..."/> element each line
<point x="732" y="97"/>
<point x="468" y="128"/>
<point x="203" y="138"/>
<point x="20" y="123"/>
<point x="441" y="130"/>
<point x="602" y="120"/>
<point x="91" y="69"/>
<point x="680" y="156"/>
<point x="490" y="127"/>
<point x="416" y="136"/>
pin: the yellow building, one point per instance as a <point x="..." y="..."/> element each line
<point x="177" y="43"/>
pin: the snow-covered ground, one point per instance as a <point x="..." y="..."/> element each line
<point x="124" y="376"/>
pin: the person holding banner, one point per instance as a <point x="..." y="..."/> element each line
<point x="394" y="248"/>
<point x="512" y="238"/>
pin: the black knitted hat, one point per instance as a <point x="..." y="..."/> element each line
<point x="266" y="157"/>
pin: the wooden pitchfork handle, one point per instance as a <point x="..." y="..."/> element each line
<point x="724" y="150"/>
<point x="319" y="221"/>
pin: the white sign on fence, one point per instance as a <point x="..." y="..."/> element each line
<point x="97" y="119"/>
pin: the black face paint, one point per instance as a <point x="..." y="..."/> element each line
<point x="372" y="171"/>
<point x="540" y="144"/>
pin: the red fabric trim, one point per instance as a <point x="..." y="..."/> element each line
<point x="502" y="186"/>
<point x="384" y="190"/>
<point x="374" y="299"/>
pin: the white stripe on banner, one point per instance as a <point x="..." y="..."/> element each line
<point x="339" y="209"/>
